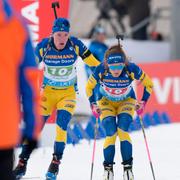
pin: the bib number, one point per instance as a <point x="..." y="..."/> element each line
<point x="59" y="71"/>
<point x="116" y="92"/>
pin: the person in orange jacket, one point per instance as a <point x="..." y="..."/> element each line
<point x="18" y="79"/>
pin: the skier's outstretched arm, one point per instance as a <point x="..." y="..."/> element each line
<point x="91" y="84"/>
<point x="84" y="53"/>
<point x="139" y="74"/>
<point x="146" y="81"/>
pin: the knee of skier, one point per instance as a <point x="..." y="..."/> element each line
<point x="109" y="124"/>
<point x="63" y="119"/>
<point x="124" y="120"/>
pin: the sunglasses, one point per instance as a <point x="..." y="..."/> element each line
<point x="115" y="67"/>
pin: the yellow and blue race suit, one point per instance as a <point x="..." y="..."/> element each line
<point x="116" y="99"/>
<point x="59" y="81"/>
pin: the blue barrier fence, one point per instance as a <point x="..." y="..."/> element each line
<point x="77" y="132"/>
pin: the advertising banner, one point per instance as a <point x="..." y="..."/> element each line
<point x="166" y="92"/>
<point x="39" y="15"/>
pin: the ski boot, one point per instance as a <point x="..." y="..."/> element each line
<point x="108" y="172"/>
<point x="128" y="174"/>
<point x="53" y="169"/>
<point x="20" y="169"/>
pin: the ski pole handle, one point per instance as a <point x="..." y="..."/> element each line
<point x="54" y="6"/>
<point x="119" y="37"/>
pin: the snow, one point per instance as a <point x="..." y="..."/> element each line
<point x="164" y="145"/>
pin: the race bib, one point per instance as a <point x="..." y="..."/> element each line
<point x="60" y="75"/>
<point x="115" y="94"/>
<point x="60" y="72"/>
<point x="116" y="91"/>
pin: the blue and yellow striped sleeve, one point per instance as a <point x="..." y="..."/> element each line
<point x="84" y="53"/>
<point x="92" y="82"/>
<point x="139" y="74"/>
<point x="39" y="50"/>
<point x="29" y="89"/>
<point x="38" y="53"/>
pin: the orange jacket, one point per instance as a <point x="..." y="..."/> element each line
<point x="18" y="80"/>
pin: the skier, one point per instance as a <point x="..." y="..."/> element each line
<point x="59" y="55"/>
<point x="116" y="104"/>
<point x="18" y="79"/>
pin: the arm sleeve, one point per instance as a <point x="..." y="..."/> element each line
<point x="91" y="84"/>
<point x="28" y="83"/>
<point x="39" y="53"/>
<point x="85" y="53"/>
<point x="93" y="50"/>
<point x="139" y="74"/>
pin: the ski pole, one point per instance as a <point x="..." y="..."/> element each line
<point x="94" y="147"/>
<point x="54" y="5"/>
<point x="147" y="148"/>
<point x="119" y="37"/>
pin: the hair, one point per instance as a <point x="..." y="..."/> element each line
<point x="112" y="50"/>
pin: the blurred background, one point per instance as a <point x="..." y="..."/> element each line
<point x="152" y="40"/>
<point x="131" y="17"/>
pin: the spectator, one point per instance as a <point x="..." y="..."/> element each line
<point x="97" y="46"/>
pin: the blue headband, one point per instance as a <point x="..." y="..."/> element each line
<point x="61" y="24"/>
<point x="115" y="58"/>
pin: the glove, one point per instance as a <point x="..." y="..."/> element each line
<point x="140" y="106"/>
<point x="96" y="110"/>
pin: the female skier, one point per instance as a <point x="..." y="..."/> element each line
<point x="117" y="103"/>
